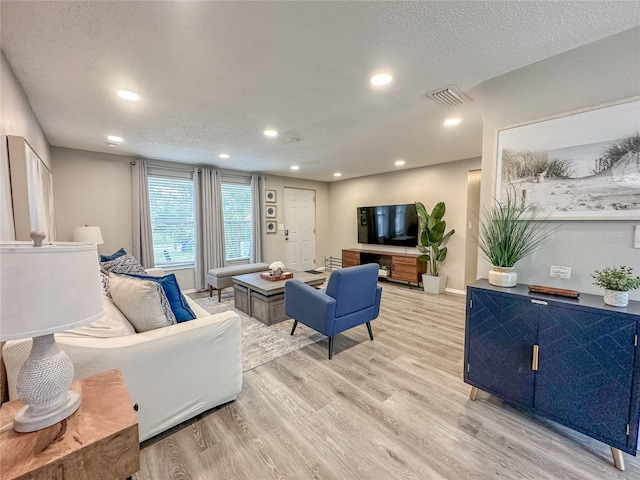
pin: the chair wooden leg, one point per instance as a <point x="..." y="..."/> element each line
<point x="210" y="291"/>
<point x="330" y="348"/>
<point x="370" y="331"/>
<point x="295" y="324"/>
<point x="219" y="295"/>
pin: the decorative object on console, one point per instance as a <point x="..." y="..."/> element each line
<point x="509" y="232"/>
<point x="47" y="289"/>
<point x="431" y="240"/>
<point x="617" y="282"/>
<point x="272" y="226"/>
<point x="88" y="234"/>
<point x="276" y="268"/>
<point x="271" y="211"/>
<point x="270" y="196"/>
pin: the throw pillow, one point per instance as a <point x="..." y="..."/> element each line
<point x="143" y="302"/>
<point x="124" y="264"/>
<point x="179" y="305"/>
<point x="112" y="324"/>
<point x="104" y="278"/>
<point x="113" y="256"/>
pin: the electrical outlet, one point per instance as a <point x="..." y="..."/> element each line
<point x="560" y="272"/>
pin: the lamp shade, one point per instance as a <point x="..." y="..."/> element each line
<point x="47" y="289"/>
<point x="88" y="234"/>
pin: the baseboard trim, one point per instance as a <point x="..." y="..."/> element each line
<point x="455" y="290"/>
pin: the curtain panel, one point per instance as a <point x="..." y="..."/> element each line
<point x="257" y="218"/>
<point x="210" y="225"/>
<point x="142" y="239"/>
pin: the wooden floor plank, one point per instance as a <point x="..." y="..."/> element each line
<point x="392" y="408"/>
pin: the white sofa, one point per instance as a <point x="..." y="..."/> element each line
<point x="172" y="373"/>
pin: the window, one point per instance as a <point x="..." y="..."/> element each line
<point x="236" y="211"/>
<point x="173" y="227"/>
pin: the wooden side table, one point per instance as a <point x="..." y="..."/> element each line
<point x="99" y="441"/>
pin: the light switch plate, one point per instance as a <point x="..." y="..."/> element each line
<point x="281" y="226"/>
<point x="636" y="237"/>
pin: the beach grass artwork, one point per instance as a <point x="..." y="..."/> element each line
<point x="584" y="166"/>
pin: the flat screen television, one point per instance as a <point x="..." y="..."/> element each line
<point x="388" y="225"/>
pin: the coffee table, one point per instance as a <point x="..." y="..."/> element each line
<point x="264" y="299"/>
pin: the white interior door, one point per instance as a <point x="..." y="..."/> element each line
<point x="300" y="228"/>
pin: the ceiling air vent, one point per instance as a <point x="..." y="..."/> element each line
<point x="450" y="96"/>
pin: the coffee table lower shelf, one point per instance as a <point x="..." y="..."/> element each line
<point x="268" y="309"/>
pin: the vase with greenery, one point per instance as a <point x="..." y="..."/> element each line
<point x="508" y="232"/>
<point x="617" y="282"/>
<point x="432" y="238"/>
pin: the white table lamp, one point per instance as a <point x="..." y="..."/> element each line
<point x="88" y="234"/>
<point x="46" y="289"/>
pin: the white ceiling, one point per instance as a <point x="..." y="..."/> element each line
<point x="214" y="75"/>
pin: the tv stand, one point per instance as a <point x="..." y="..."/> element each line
<point x="403" y="267"/>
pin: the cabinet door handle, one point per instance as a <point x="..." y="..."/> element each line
<point x="539" y="302"/>
<point x="534" y="360"/>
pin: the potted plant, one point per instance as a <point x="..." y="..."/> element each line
<point x="432" y="238"/>
<point x="617" y="282"/>
<point x="507" y="233"/>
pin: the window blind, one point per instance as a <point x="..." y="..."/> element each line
<point x="173" y="228"/>
<point x="236" y="210"/>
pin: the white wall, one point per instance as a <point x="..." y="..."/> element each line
<point x="429" y="185"/>
<point x="18" y="119"/>
<point x="601" y="72"/>
<point x="93" y="189"/>
<point x="275" y="246"/>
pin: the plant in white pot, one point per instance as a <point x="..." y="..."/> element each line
<point x="432" y="239"/>
<point x="509" y="232"/>
<point x="617" y="283"/>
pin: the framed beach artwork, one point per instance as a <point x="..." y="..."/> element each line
<point x="583" y="166"/>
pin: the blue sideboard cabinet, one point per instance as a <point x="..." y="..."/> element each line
<point x="574" y="361"/>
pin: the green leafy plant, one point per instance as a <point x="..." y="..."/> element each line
<point x="432" y="236"/>
<point x="510" y="231"/>
<point x="620" y="279"/>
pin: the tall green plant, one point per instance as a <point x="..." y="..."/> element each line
<point x="509" y="231"/>
<point x="432" y="237"/>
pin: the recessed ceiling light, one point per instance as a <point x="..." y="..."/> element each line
<point x="295" y="167"/>
<point x="399" y="163"/>
<point x="113" y="138"/>
<point x="380" y="79"/>
<point x="337" y="174"/>
<point x="112" y="145"/>
<point x="271" y="133"/>
<point x="224" y="155"/>
<point x="127" y="95"/>
<point x="452" y="121"/>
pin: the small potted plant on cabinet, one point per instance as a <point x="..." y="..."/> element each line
<point x="617" y="282"/>
<point x="507" y="233"/>
<point x="432" y="239"/>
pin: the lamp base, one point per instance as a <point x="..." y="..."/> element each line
<point x="30" y="419"/>
<point x="43" y="385"/>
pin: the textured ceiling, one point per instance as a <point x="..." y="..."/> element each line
<point x="214" y="75"/>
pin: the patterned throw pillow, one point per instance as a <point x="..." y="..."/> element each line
<point x="124" y="264"/>
<point x="143" y="302"/>
<point x="104" y="278"/>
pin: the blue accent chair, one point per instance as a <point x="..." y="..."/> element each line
<point x="352" y="297"/>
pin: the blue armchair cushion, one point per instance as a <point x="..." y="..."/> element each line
<point x="352" y="298"/>
<point x="353" y="288"/>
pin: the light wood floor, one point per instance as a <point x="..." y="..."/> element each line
<point x="394" y="408"/>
